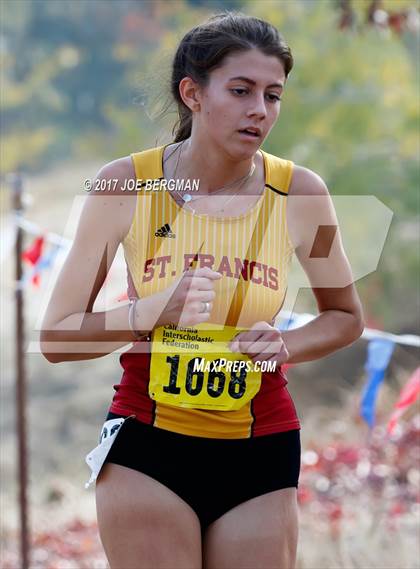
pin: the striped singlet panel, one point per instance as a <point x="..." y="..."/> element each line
<point x="253" y="253"/>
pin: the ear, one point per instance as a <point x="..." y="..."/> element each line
<point x="190" y="93"/>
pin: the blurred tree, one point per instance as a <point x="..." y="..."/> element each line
<point x="350" y="112"/>
<point x="350" y="108"/>
<point x="63" y="64"/>
<point x="218" y="5"/>
<point x="83" y="79"/>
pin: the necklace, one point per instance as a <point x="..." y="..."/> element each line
<point x="230" y="198"/>
<point x="241" y="181"/>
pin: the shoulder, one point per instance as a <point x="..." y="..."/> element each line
<point x="305" y="182"/>
<point x="106" y="213"/>
<point x="116" y="173"/>
<point x="124" y="167"/>
<point x="313" y="210"/>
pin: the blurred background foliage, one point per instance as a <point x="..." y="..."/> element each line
<point x="86" y="80"/>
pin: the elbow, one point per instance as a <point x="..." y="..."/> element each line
<point x="45" y="342"/>
<point x="357" y="325"/>
<point x="50" y="357"/>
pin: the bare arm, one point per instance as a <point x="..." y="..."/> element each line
<point x="70" y="330"/>
<point x="314" y="233"/>
<point x="340" y="321"/>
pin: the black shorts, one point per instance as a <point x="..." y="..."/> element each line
<point x="211" y="475"/>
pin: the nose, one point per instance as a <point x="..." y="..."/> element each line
<point x="258" y="107"/>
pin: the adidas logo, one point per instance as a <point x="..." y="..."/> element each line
<point x="165" y="231"/>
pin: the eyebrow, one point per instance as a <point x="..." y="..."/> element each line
<point x="252" y="82"/>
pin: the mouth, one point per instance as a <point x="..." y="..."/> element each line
<point x="254" y="133"/>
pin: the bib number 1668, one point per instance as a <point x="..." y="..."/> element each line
<point x="194" y="380"/>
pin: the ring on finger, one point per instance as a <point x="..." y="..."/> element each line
<point x="206" y="307"/>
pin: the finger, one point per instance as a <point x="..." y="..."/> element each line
<point x="206" y="296"/>
<point x="200" y="283"/>
<point x="259" y="356"/>
<point x="261" y="326"/>
<point x="270" y="343"/>
<point x="234" y="346"/>
<point x="280" y="356"/>
<point x="190" y="319"/>
<point x="276" y="346"/>
<point x="274" y="361"/>
<point x="258" y="330"/>
<point x="242" y="340"/>
<point x="197" y="307"/>
<point x="255" y="331"/>
<point x="201" y="296"/>
<point x="263" y="356"/>
<point x="204" y="272"/>
<point x="279" y="359"/>
<point x="253" y="342"/>
<point x="272" y="336"/>
<point x="235" y="343"/>
<point x="192" y="312"/>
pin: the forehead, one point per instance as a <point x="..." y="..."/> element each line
<point x="261" y="68"/>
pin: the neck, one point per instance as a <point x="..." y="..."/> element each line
<point x="211" y="165"/>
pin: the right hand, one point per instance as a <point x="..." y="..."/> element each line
<point x="182" y="302"/>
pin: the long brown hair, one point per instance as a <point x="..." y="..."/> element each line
<point x="205" y="47"/>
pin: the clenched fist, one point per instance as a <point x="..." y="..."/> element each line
<point x="183" y="302"/>
<point x="261" y="342"/>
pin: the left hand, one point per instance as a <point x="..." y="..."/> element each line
<point x="261" y="342"/>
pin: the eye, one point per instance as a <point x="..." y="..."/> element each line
<point x="239" y="91"/>
<point x="273" y="97"/>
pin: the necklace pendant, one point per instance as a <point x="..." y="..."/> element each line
<point x="187" y="198"/>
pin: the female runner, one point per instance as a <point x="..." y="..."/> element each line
<point x="203" y="465"/>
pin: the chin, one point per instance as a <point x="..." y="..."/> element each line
<point x="241" y="151"/>
<point x="247" y="154"/>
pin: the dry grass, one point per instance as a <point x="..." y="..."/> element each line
<point x="374" y="526"/>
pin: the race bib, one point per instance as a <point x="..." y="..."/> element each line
<point x="194" y="368"/>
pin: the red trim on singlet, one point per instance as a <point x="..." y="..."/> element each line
<point x="272" y="408"/>
<point x="131" y="394"/>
